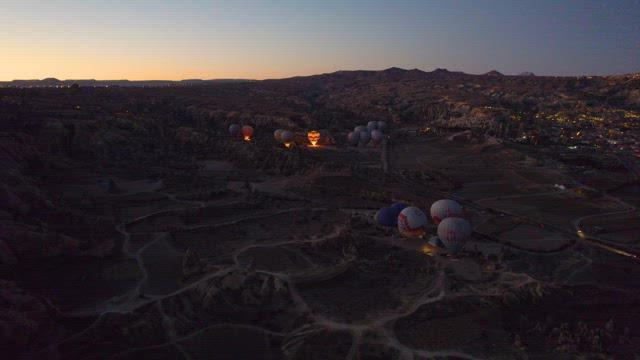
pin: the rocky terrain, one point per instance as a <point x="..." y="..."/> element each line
<point x="132" y="226"/>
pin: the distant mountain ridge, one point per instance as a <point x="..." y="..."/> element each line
<point x="386" y="74"/>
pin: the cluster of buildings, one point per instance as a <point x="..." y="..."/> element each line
<point x="613" y="130"/>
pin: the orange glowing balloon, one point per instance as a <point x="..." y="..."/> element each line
<point x="313" y="137"/>
<point x="247" y="132"/>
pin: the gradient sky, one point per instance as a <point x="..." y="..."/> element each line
<point x="162" y="39"/>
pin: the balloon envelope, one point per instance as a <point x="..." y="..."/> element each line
<point x="286" y="136"/>
<point x="277" y="134"/>
<point x="353" y="137"/>
<point x="247" y="130"/>
<point x="454" y="233"/>
<point x="412" y="222"/>
<point x="365" y="136"/>
<point x="372" y="125"/>
<point x="387" y="217"/>
<point x="377" y="136"/>
<point x="443" y="209"/>
<point x="234" y="130"/>
<point x="360" y="128"/>
<point x="397" y="207"/>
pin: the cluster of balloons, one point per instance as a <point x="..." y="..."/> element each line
<point x="246" y="131"/>
<point x="363" y="134"/>
<point x="453" y="231"/>
<point x="285" y="137"/>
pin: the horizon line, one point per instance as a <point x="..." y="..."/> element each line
<point x="314" y="74"/>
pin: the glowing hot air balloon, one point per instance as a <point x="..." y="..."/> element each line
<point x="412" y="222"/>
<point x="454" y="233"/>
<point x="287" y="138"/>
<point x="443" y="209"/>
<point x="234" y="130"/>
<point x="247" y="132"/>
<point x="314" y="137"/>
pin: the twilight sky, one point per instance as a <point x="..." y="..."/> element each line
<point x="162" y="39"/>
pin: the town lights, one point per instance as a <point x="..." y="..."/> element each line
<point x="313" y="137"/>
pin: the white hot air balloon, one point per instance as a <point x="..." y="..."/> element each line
<point x="412" y="222"/>
<point x="286" y="137"/>
<point x="443" y="209"/>
<point x="277" y="134"/>
<point x="365" y="136"/>
<point x="353" y="137"/>
<point x="382" y="125"/>
<point x="372" y="125"/>
<point x="377" y="136"/>
<point x="234" y="130"/>
<point x="454" y="233"/>
<point x="360" y="128"/>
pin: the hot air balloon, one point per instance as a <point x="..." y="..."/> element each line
<point x="234" y="130"/>
<point x="360" y="128"/>
<point x="377" y="136"/>
<point x="387" y="217"/>
<point x="365" y="136"/>
<point x="454" y="233"/>
<point x="372" y="125"/>
<point x="397" y="207"/>
<point x="314" y="137"/>
<point x="443" y="209"/>
<point x="287" y="138"/>
<point x="353" y="137"/>
<point x="412" y="222"/>
<point x="382" y="125"/>
<point x="247" y="132"/>
<point x="276" y="135"/>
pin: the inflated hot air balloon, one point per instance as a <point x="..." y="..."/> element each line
<point x="382" y="125"/>
<point x="397" y="207"/>
<point x="247" y="132"/>
<point x="287" y="138"/>
<point x="443" y="209"/>
<point x="365" y="136"/>
<point x="387" y="217"/>
<point x="377" y="136"/>
<point x="372" y="125"/>
<point x="412" y="222"/>
<point x="360" y="128"/>
<point x="314" y="137"/>
<point x="353" y="137"/>
<point x="234" y="130"/>
<point x="276" y="135"/>
<point x="454" y="233"/>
